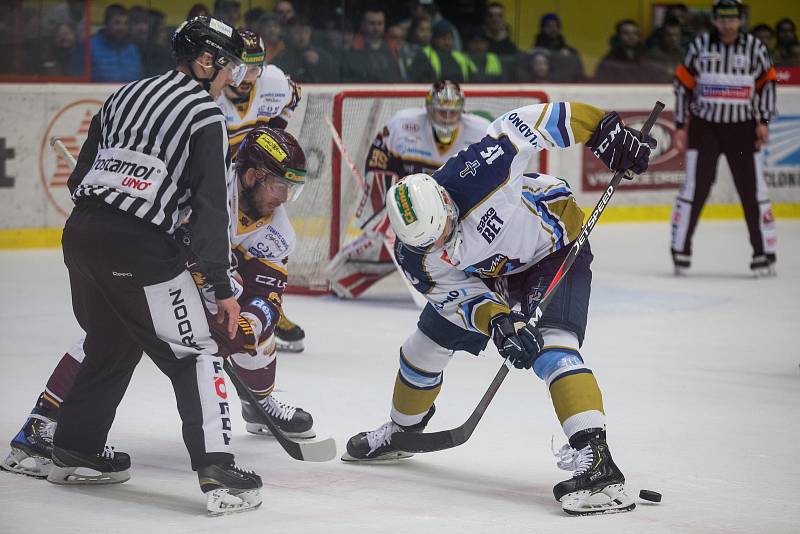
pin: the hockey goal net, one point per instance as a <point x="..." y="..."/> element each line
<point x="323" y="215"/>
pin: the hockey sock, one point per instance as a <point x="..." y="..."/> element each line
<point x="257" y="372"/>
<point x="573" y="388"/>
<point x="60" y="382"/>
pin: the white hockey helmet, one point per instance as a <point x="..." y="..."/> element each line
<point x="444" y="104"/>
<point x="419" y="210"/>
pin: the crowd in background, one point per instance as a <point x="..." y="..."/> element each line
<point x="408" y="42"/>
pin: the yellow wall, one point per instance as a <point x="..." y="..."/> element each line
<point x="588" y="24"/>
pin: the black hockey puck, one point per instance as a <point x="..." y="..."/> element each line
<point x="649" y="495"/>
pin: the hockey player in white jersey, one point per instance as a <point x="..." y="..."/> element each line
<point x="481" y="236"/>
<point x="269" y="171"/>
<point x="266" y="97"/>
<point x="413" y="140"/>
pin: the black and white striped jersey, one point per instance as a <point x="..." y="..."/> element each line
<point x="158" y="149"/>
<point x="725" y="83"/>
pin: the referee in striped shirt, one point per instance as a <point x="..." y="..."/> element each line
<point x="725" y="89"/>
<point x="157" y="149"/>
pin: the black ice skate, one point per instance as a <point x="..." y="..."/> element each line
<point x="32" y="447"/>
<point x="73" y="467"/>
<point x="229" y="489"/>
<point x="288" y="335"/>
<point x="293" y="422"/>
<point x="681" y="263"/>
<point x="763" y="266"/>
<point x="377" y="444"/>
<point x="595" y="473"/>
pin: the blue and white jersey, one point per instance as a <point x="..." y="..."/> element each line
<point x="509" y="219"/>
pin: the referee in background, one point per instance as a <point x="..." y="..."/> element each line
<point x="157" y="149"/>
<point x="725" y="89"/>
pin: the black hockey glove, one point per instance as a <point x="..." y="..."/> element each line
<point x="619" y="147"/>
<point x="516" y="339"/>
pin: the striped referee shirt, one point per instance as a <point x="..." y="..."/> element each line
<point x="725" y="83"/>
<point x="157" y="148"/>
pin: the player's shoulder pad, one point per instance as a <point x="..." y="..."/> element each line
<point x="472" y="120"/>
<point x="275" y="77"/>
<point x="476" y="172"/>
<point x="406" y="116"/>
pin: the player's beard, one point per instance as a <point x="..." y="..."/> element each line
<point x="250" y="205"/>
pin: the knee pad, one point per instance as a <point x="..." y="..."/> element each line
<point x="424" y="354"/>
<point x="560" y="352"/>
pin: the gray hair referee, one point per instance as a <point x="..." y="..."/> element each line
<point x="157" y="150"/>
<point x="726" y="85"/>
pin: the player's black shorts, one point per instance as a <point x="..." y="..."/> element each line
<point x="568" y="310"/>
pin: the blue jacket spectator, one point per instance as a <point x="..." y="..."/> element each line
<point x="114" y="57"/>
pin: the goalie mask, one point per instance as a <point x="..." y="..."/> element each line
<point x="421" y="212"/>
<point x="277" y="158"/>
<point x="444" y="105"/>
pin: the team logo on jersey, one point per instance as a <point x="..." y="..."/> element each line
<point x="271" y="146"/>
<point x="471" y="167"/>
<point x="71" y="125"/>
<point x="404" y="203"/>
<point x="490" y="225"/>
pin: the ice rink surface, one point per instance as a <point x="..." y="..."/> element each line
<point x="699" y="375"/>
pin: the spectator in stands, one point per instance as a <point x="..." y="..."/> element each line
<point x="428" y="8"/>
<point x="270" y="30"/>
<point x="668" y="51"/>
<point x="673" y="12"/>
<point x="371" y="59"/>
<point x="228" y="11"/>
<point x="114" y="57"/>
<point x="534" y="66"/>
<point x="145" y="26"/>
<point x="301" y="59"/>
<point x="564" y="60"/>
<point x="764" y="34"/>
<point x="251" y="18"/>
<point x="419" y="36"/>
<point x="198" y="10"/>
<point x="64" y="54"/>
<point x="284" y="9"/>
<point x="497" y="30"/>
<point x="440" y="61"/>
<point x="71" y="12"/>
<point x="627" y="62"/>
<point x="484" y="66"/>
<point x="787" y="51"/>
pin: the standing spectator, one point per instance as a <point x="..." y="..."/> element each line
<point x="786" y="44"/>
<point x="626" y="62"/>
<point x="429" y="9"/>
<point x="228" y="11"/>
<point x="271" y="31"/>
<point x="284" y="9"/>
<point x="534" y="67"/>
<point x="70" y="12"/>
<point x="371" y="59"/>
<point x="146" y="32"/>
<point x="114" y="57"/>
<point x="64" y="54"/>
<point x="440" y="61"/>
<point x="419" y="36"/>
<point x="764" y="34"/>
<point x="565" y="61"/>
<point x="484" y="66"/>
<point x="497" y="30"/>
<point x="303" y="61"/>
<point x="728" y="105"/>
<point x="668" y="52"/>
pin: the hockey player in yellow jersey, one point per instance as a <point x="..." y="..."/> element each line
<point x="413" y="140"/>
<point x="481" y="239"/>
<point x="266" y="97"/>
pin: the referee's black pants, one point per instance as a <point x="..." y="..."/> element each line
<point x="707" y="140"/>
<point x="131" y="292"/>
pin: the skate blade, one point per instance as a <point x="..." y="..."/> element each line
<point x="764" y="272"/>
<point x="587" y="502"/>
<point x="385" y="457"/>
<point x="21" y="463"/>
<point x="226" y="501"/>
<point x="263" y="430"/>
<point x="68" y="476"/>
<point x="289" y="346"/>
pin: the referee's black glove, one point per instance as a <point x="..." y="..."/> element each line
<point x="516" y="339"/>
<point x="619" y="147"/>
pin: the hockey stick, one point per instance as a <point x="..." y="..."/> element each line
<point x="447" y="439"/>
<point x="313" y="451"/>
<point x="388" y="241"/>
<point x="308" y="451"/>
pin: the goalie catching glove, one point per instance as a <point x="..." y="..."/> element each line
<point x="516" y="340"/>
<point x="619" y="147"/>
